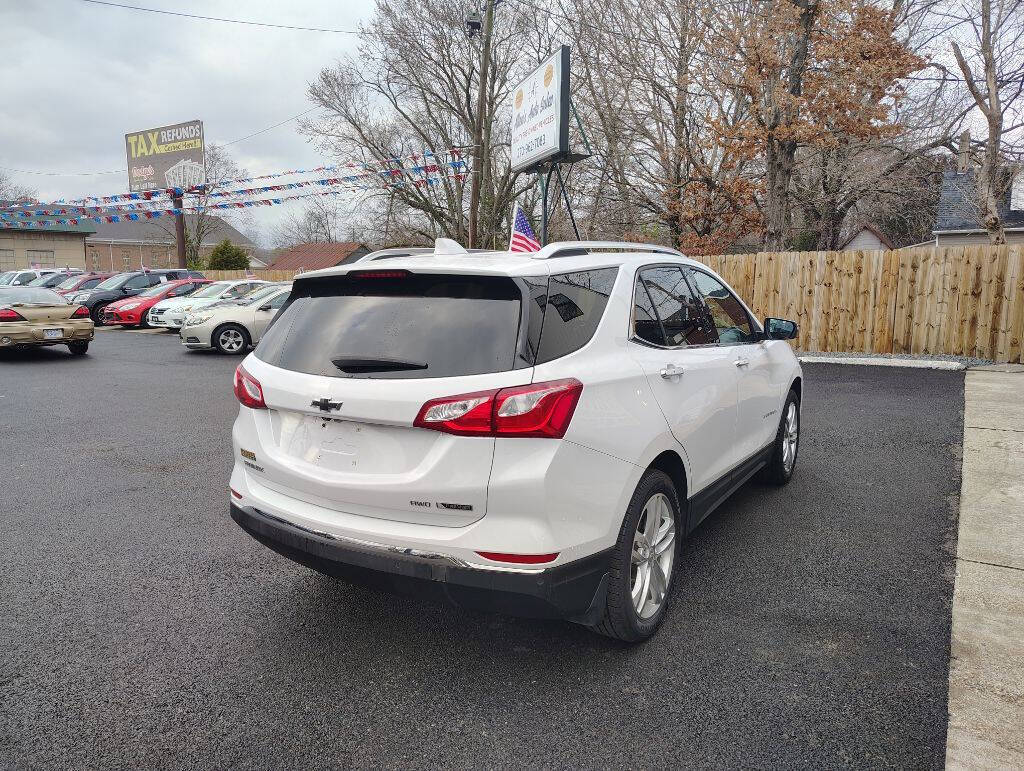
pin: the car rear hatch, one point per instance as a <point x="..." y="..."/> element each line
<point x="346" y="367"/>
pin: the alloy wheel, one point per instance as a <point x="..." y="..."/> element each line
<point x="652" y="556"/>
<point x="790" y="437"/>
<point x="231" y="340"/>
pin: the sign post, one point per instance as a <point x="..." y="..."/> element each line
<point x="168" y="157"/>
<point x="540" y="128"/>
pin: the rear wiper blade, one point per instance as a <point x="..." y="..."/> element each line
<point x="374" y="364"/>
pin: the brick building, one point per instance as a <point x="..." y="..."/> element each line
<point x="51" y="247"/>
<point x="129" y="245"/>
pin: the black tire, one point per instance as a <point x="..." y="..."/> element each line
<point x="79" y="347"/>
<point x="221" y="346"/>
<point x="97" y="315"/>
<point x="620" y="618"/>
<point x="778" y="472"/>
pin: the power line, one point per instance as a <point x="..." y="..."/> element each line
<point x="226" y="21"/>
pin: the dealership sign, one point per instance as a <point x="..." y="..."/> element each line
<point x="540" y="113"/>
<point x="170" y="156"/>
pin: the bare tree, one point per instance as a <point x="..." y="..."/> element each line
<point x="990" y="57"/>
<point x="412" y="88"/>
<point x="11" y="191"/>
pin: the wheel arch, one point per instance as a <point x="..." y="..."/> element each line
<point x="671" y="463"/>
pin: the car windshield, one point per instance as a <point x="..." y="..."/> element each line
<point x="40" y="280"/>
<point x="213" y="290"/>
<point x="30" y="295"/>
<point x="260" y="293"/>
<point x="69" y="282"/>
<point x="115" y="281"/>
<point x="8" y="277"/>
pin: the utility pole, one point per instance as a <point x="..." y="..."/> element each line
<point x="478" y="130"/>
<point x="179" y="230"/>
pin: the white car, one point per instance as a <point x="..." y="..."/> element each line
<point x="171" y="313"/>
<point x="25" y="276"/>
<point x="529" y="433"/>
<point x="232" y="327"/>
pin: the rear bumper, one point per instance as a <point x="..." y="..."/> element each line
<point x="72" y="330"/>
<point x="574" y="591"/>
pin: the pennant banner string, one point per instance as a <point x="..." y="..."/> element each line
<point x="427" y="157"/>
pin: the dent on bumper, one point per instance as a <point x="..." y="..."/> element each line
<point x="574" y="591"/>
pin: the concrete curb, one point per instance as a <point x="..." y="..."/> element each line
<point x="870" y="361"/>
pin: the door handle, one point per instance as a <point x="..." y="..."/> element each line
<point x="671" y="371"/>
<point x="742" y="362"/>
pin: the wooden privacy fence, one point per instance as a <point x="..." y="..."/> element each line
<point x="263" y="275"/>
<point x="964" y="301"/>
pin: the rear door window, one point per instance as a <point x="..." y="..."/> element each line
<point x="574" y="306"/>
<point x="401" y="326"/>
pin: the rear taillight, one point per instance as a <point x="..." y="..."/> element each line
<point x="248" y="390"/>
<point x="81" y="312"/>
<point x="535" y="410"/>
<point x="6" y="314"/>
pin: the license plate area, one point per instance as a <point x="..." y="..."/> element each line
<point x="335" y="445"/>
<point x="53" y="334"/>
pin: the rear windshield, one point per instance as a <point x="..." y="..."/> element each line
<point x="30" y="295"/>
<point x="413" y="326"/>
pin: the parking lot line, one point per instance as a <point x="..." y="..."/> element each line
<point x="986" y="682"/>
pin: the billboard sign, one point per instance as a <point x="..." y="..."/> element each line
<point x="169" y="156"/>
<point x="540" y="113"/>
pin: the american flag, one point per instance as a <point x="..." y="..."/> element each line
<point x="523" y="238"/>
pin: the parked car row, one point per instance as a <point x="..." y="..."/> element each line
<point x="122" y="285"/>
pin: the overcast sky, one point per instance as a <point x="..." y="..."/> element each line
<point x="80" y="76"/>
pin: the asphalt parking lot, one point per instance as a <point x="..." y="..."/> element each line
<point x="140" y="627"/>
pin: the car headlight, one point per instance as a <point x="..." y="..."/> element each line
<point x="129" y="306"/>
<point x="200" y="318"/>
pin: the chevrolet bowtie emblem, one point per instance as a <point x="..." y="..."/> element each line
<point x="326" y="405"/>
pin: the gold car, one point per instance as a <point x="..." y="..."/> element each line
<point x="31" y="315"/>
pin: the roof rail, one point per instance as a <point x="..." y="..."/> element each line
<point x="573" y="248"/>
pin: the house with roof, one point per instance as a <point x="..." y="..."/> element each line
<point x="314" y="256"/>
<point x="866" y="238"/>
<point x="53" y="246"/>
<point x="129" y="245"/>
<point x="959" y="220"/>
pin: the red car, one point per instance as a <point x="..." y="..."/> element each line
<point x="80" y="281"/>
<point x="131" y="311"/>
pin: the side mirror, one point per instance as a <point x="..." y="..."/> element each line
<point x="265" y="307"/>
<point x="780" y="329"/>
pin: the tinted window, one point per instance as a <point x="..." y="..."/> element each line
<point x="278" y="301"/>
<point x="25" y="278"/>
<point x="421" y="326"/>
<point x="137" y="282"/>
<point x="90" y="283"/>
<point x="573" y="309"/>
<point x="730" y="318"/>
<point x="666" y="312"/>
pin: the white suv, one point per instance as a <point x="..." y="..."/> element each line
<point x="528" y="433"/>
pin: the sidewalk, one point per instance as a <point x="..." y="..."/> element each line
<point x="986" y="675"/>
